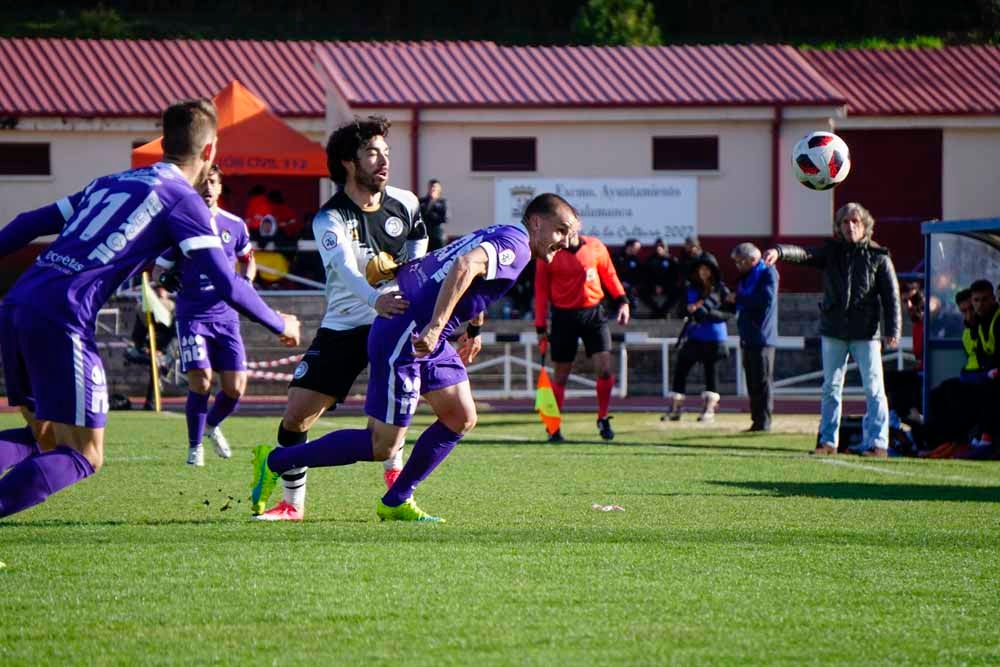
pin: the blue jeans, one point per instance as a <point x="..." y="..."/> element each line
<point x="868" y="355"/>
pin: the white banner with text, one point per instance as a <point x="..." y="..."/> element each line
<point x="612" y="209"/>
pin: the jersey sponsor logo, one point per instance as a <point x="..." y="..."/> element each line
<point x="506" y="257"/>
<point x="591" y="275"/>
<point x="329" y="240"/>
<point x="394" y="226"/>
<point x="301" y="370"/>
<point x="64" y="263"/>
<point x="226" y="236"/>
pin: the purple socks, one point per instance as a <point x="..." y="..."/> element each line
<point x="431" y="448"/>
<point x="16" y="444"/>
<point x="196" y="410"/>
<point x="33" y="480"/>
<point x="224" y="406"/>
<point x="339" y="448"/>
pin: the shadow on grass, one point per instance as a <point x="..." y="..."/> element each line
<point x="743" y="448"/>
<point x="867" y="491"/>
<point x="612" y="529"/>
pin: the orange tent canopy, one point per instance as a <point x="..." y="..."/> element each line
<point x="252" y="140"/>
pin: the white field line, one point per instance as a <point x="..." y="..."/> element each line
<point x="901" y="473"/>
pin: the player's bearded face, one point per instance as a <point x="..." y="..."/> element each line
<point x="371" y="168"/>
<point x="211" y="189"/>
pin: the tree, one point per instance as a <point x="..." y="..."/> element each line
<point x="617" y="23"/>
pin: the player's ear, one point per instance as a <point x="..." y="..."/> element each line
<point x="208" y="150"/>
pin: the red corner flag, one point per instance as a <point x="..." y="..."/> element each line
<point x="545" y="403"/>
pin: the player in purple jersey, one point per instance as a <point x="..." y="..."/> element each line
<point x="107" y="233"/>
<point x="208" y="330"/>
<point x="411" y="357"/>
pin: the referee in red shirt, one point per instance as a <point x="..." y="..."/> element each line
<point x="572" y="283"/>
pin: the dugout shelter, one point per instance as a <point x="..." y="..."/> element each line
<point x="956" y="253"/>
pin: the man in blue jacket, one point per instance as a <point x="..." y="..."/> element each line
<point x="756" y="302"/>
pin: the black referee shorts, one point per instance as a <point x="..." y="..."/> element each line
<point x="569" y="326"/>
<point x="333" y="362"/>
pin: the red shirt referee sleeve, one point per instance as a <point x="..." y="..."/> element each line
<point x="541" y="293"/>
<point x="609" y="276"/>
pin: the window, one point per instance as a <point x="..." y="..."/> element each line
<point x="686" y="153"/>
<point x="503" y="154"/>
<point x="25" y="159"/>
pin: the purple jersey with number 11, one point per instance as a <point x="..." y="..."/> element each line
<point x="507" y="253"/>
<point x="107" y="233"/>
<point x="113" y="228"/>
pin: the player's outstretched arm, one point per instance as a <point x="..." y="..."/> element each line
<point x="240" y="294"/>
<point x="28" y="226"/>
<point x="466" y="268"/>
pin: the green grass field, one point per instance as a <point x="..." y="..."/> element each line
<point x="731" y="549"/>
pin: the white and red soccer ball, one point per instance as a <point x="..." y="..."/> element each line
<point x="821" y="160"/>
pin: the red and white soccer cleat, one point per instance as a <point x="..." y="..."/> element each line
<point x="390" y="477"/>
<point x="281" y="512"/>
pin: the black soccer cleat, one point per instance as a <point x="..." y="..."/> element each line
<point x="604" y="426"/>
<point x="557" y="437"/>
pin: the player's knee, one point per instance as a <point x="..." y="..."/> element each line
<point x="461" y="423"/>
<point x="96" y="459"/>
<point x="199" y="382"/>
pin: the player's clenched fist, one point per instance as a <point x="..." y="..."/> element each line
<point x="425" y="341"/>
<point x="291" y="334"/>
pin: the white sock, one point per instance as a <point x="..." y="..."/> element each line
<point x="293" y="485"/>
<point x="394" y="462"/>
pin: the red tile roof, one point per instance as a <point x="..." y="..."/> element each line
<point x="118" y="78"/>
<point x="482" y="74"/>
<point x="957" y="80"/>
<point x="89" y="78"/>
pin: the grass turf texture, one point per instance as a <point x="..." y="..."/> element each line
<point x="731" y="550"/>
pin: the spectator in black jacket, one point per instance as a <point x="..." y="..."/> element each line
<point x="630" y="271"/>
<point x="434" y="211"/>
<point x="661" y="288"/>
<point x="859" y="286"/>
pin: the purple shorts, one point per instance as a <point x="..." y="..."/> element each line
<point x="215" y="345"/>
<point x="52" y="369"/>
<point x="396" y="380"/>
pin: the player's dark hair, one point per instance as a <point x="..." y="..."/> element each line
<point x="345" y="141"/>
<point x="546" y="205"/>
<point x="962" y="295"/>
<point x="217" y="170"/>
<point x="431" y="183"/>
<point x="981" y="285"/>
<point x="187" y="126"/>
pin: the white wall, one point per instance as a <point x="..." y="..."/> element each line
<point x="970" y="180"/>
<point x="735" y="200"/>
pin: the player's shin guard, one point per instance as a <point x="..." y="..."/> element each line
<point x="33" y="480"/>
<point x="339" y="448"/>
<point x="223" y="406"/>
<point x="16" y="444"/>
<point x="431" y="448"/>
<point x="293" y="482"/>
<point x="560" y="393"/>
<point x="604" y="386"/>
<point x="196" y="410"/>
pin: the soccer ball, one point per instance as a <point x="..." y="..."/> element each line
<point x="821" y="160"/>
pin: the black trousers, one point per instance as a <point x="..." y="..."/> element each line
<point x="758" y="365"/>
<point x="708" y="354"/>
